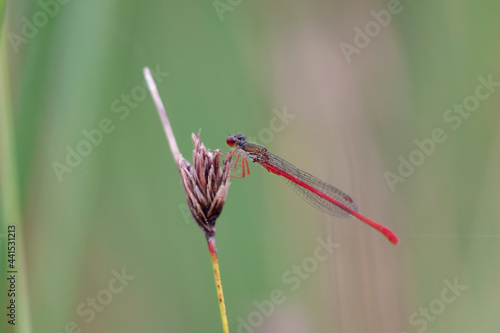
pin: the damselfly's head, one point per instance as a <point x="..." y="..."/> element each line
<point x="236" y="140"/>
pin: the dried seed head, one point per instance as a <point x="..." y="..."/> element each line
<point x="205" y="184"/>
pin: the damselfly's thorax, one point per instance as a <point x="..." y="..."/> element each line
<point x="255" y="152"/>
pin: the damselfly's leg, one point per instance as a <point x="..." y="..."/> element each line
<point x="243" y="163"/>
<point x="229" y="154"/>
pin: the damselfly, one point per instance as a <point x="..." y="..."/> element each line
<point x="316" y="192"/>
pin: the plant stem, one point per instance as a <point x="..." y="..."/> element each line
<point x="163" y="114"/>
<point x="177" y="157"/>
<point x="218" y="283"/>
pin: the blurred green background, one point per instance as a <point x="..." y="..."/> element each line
<point x="71" y="67"/>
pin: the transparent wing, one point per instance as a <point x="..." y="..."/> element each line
<point x="310" y="197"/>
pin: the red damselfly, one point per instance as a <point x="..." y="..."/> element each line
<point x="316" y="192"/>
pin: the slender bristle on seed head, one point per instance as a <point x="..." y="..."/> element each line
<point x="205" y="184"/>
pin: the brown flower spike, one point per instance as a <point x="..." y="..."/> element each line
<point x="205" y="184"/>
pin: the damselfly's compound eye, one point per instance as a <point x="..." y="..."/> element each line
<point x="231" y="141"/>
